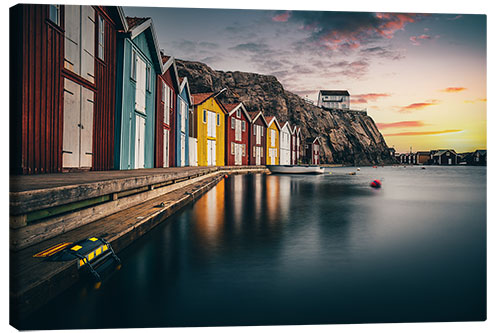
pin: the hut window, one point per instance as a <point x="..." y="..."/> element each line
<point x="133" y="66"/>
<point x="232" y="148"/>
<point x="166" y="104"/>
<point x="233" y="123"/>
<point x="148" y="78"/>
<point x="243" y="126"/>
<point x="244" y="149"/>
<point x="218" y="119"/>
<point x="100" y="27"/>
<point x="253" y="151"/>
<point x="55" y="14"/>
<point x="205" y="116"/>
<point x="254" y="129"/>
<point x="238" y="113"/>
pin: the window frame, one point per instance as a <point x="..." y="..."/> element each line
<point x="57" y="20"/>
<point x="101" y="32"/>
<point x="133" y="66"/>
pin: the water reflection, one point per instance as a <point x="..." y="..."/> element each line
<point x="266" y="249"/>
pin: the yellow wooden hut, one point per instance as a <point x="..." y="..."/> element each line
<point x="273" y="141"/>
<point x="209" y="121"/>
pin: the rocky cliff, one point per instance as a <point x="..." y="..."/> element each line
<point x="346" y="138"/>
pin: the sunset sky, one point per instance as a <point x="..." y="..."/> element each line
<point x="422" y="77"/>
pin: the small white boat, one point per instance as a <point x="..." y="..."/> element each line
<point x="296" y="169"/>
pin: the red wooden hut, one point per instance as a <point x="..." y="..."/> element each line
<point x="166" y="105"/>
<point x="257" y="139"/>
<point x="237" y="127"/>
<point x="62" y="83"/>
<point x="312" y="150"/>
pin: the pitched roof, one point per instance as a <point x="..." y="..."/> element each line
<point x="135" y="21"/>
<point x="442" y="151"/>
<point x="253" y="114"/>
<point x="334" y="92"/>
<point x="312" y="139"/>
<point x="201" y="97"/>
<point x="138" y="25"/>
<point x="230" y="106"/>
<point x="269" y="120"/>
<point x="164" y="58"/>
<point x="481" y="151"/>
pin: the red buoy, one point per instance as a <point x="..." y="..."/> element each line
<point x="225" y="176"/>
<point x="376" y="184"/>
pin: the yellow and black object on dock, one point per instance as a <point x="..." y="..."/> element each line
<point x="94" y="254"/>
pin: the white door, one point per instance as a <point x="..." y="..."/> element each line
<point x="183" y="149"/>
<point x="77" y="125"/>
<point x="238" y="153"/>
<point x="86" y="128"/>
<point x="211" y="157"/>
<point x="140" y="129"/>
<point x="258" y="155"/>
<point x="166" y="136"/>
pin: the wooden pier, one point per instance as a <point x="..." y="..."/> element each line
<point x="47" y="210"/>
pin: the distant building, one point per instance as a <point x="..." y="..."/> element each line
<point x="408" y="158"/>
<point x="423" y="157"/>
<point x="479" y="157"/>
<point x="334" y="99"/>
<point x="392" y="152"/>
<point x="444" y="157"/>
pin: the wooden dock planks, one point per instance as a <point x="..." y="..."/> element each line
<point x="34" y="281"/>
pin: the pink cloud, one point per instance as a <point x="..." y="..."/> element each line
<point x="282" y="17"/>
<point x="364" y="98"/>
<point x="400" y="124"/>
<point x="418" y="106"/>
<point x="415" y="39"/>
<point x="453" y="89"/>
<point x="423" y="133"/>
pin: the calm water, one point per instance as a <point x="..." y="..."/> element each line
<point x="259" y="250"/>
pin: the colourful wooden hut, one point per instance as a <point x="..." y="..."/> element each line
<point x="62" y="84"/>
<point x="138" y="64"/>
<point x="285" y="143"/>
<point x="311" y="155"/>
<point x="257" y="139"/>
<point x="273" y="141"/>
<point x="166" y="113"/>
<point x="296" y="139"/>
<point x="209" y="116"/>
<point x="184" y="104"/>
<point x="237" y="127"/>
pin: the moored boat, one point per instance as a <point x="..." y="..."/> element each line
<point x="296" y="169"/>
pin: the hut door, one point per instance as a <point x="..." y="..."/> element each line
<point x="211" y="160"/>
<point x="238" y="153"/>
<point x="183" y="150"/>
<point x="140" y="129"/>
<point x="166" y="136"/>
<point x="258" y="155"/>
<point x="77" y="126"/>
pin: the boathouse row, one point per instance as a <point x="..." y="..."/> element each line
<point x="91" y="90"/>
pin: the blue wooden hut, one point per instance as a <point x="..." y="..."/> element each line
<point x="138" y="63"/>
<point x="184" y="103"/>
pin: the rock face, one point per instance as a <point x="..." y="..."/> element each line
<point x="346" y="138"/>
